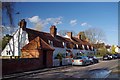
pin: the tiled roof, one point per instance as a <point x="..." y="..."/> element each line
<point x="57" y="40"/>
<point x="33" y="33"/>
<point x="81" y="42"/>
<point x="69" y="43"/>
<point x="77" y="41"/>
<point x="44" y="36"/>
<point x="37" y="43"/>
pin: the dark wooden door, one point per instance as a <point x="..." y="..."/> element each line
<point x="44" y="58"/>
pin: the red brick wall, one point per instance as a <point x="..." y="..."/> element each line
<point x="49" y="58"/>
<point x="30" y="53"/>
<point x="19" y="65"/>
<point x="30" y="60"/>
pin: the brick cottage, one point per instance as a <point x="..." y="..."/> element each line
<point x="32" y="44"/>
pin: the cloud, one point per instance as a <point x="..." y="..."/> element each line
<point x="37" y="22"/>
<point x="40" y="23"/>
<point x="54" y="21"/>
<point x="73" y="22"/>
<point x="34" y="19"/>
<point x="39" y="26"/>
<point x="85" y="24"/>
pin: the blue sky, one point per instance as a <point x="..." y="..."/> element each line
<point x="72" y="16"/>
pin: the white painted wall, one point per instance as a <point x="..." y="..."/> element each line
<point x="108" y="50"/>
<point x="66" y="61"/>
<point x="117" y="50"/>
<point x="56" y="62"/>
<point x="20" y="39"/>
<point x="75" y="51"/>
<point x="58" y="50"/>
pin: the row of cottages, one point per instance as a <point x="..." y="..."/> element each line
<point x="29" y="43"/>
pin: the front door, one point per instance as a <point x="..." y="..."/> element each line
<point x="44" y="58"/>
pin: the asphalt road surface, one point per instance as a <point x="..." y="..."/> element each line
<point x="99" y="70"/>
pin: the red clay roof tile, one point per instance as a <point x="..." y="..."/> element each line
<point x="37" y="43"/>
<point x="57" y="41"/>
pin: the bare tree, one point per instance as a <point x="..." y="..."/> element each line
<point x="8" y="8"/>
<point x="0" y="13"/>
<point x="95" y="35"/>
<point x="0" y="19"/>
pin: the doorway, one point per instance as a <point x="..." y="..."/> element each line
<point x="45" y="58"/>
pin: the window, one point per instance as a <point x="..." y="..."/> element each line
<point x="67" y="53"/>
<point x="8" y="52"/>
<point x="87" y="46"/>
<point x="91" y="47"/>
<point x="77" y="54"/>
<point x="83" y="46"/>
<point x="77" y="45"/>
<point x="64" y="44"/>
<point x="50" y="42"/>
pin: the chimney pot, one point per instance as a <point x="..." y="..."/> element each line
<point x="22" y="24"/>
<point x="79" y="37"/>
<point x="53" y="30"/>
<point x="69" y="34"/>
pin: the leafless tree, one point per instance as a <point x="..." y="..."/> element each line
<point x="0" y="12"/>
<point x="8" y="8"/>
<point x="95" y="35"/>
<point x="0" y="20"/>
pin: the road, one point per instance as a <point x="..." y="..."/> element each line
<point x="103" y="67"/>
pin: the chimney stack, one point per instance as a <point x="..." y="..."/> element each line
<point x="69" y="34"/>
<point x="53" y="30"/>
<point x="22" y="24"/>
<point x="79" y="36"/>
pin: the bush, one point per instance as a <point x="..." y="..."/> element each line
<point x="59" y="55"/>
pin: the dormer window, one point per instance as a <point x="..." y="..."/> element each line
<point x="92" y="47"/>
<point x="64" y="44"/>
<point x="83" y="46"/>
<point x="77" y="45"/>
<point x="50" y="42"/>
<point x="87" y="46"/>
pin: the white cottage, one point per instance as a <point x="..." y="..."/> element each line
<point x="19" y="39"/>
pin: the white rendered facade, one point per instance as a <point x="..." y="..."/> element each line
<point x="13" y="48"/>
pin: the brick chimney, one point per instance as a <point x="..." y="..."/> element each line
<point x="79" y="36"/>
<point x="22" y="24"/>
<point x="53" y="30"/>
<point x="69" y="34"/>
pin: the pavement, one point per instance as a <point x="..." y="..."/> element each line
<point x="15" y="75"/>
<point x="90" y="71"/>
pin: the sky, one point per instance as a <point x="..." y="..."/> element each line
<point x="71" y="16"/>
